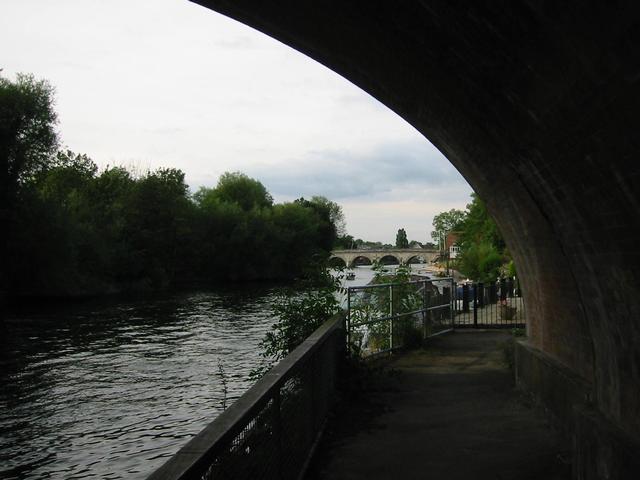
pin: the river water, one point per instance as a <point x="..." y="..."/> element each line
<point x="110" y="389"/>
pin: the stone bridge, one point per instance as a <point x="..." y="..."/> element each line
<point x="401" y="256"/>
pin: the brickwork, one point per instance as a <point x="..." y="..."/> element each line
<point x="536" y="105"/>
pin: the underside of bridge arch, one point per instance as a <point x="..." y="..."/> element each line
<point x="415" y="259"/>
<point x="337" y="262"/>
<point x="389" y="260"/>
<point x="361" y="260"/>
<point x="536" y="104"/>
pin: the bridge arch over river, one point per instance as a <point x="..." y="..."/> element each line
<point x="536" y="104"/>
<point x="400" y="256"/>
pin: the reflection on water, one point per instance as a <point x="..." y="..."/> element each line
<point x="364" y="273"/>
<point x="108" y="391"/>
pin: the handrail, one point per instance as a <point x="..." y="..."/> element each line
<point x="194" y="458"/>
<point x="397" y="284"/>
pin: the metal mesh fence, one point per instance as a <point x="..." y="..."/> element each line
<point x="247" y="454"/>
<point x="270" y="431"/>
<point x="384" y="317"/>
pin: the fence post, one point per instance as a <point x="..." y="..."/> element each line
<point x="493" y="298"/>
<point x="424" y="310"/>
<point x="465" y="298"/>
<point x="480" y="294"/>
<point x="475" y="305"/>
<point x="314" y="397"/>
<point x="391" y="309"/>
<point x="277" y="432"/>
<point x="348" y="323"/>
<point x="453" y="305"/>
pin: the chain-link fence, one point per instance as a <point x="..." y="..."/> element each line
<point x="271" y="430"/>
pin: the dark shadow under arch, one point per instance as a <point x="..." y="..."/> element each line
<point x="361" y="260"/>
<point x="536" y="105"/>
<point x="389" y="260"/>
<point x="416" y="259"/>
<point x="336" y="262"/>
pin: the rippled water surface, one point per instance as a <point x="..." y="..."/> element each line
<point x="111" y="390"/>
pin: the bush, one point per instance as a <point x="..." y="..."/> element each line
<point x="299" y="314"/>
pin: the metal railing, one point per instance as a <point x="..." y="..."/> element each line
<point x="271" y="431"/>
<point x="496" y="304"/>
<point x="385" y="317"/>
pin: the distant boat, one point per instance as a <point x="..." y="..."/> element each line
<point x="350" y="276"/>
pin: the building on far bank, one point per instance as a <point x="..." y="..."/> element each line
<point x="451" y="244"/>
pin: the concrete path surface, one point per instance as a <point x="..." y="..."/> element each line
<point x="451" y="412"/>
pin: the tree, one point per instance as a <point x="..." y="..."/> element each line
<point x="401" y="239"/>
<point x="479" y="226"/>
<point x="446" y="222"/>
<point x="345" y="242"/>
<point x="483" y="249"/>
<point x="335" y="214"/>
<point x="480" y="261"/>
<point x="28" y="138"/>
<point x="71" y="230"/>
<point x="243" y="190"/>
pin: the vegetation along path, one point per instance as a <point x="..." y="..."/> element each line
<point x="452" y="412"/>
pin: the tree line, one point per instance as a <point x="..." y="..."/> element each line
<point x="483" y="253"/>
<point x="72" y="229"/>
<point x="348" y="242"/>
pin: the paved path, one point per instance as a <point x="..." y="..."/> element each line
<point x="450" y="413"/>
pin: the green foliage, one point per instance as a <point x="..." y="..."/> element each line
<point x="480" y="261"/>
<point x="27" y="131"/>
<point x="345" y="242"/>
<point x="334" y="212"/>
<point x="72" y="230"/>
<point x="479" y="226"/>
<point x="359" y="243"/>
<point x="298" y="315"/>
<point x="446" y="222"/>
<point x="483" y="256"/>
<point x="82" y="232"/>
<point x="377" y="303"/>
<point x="28" y="140"/>
<point x="236" y="187"/>
<point x="325" y="216"/>
<point x="483" y="249"/>
<point x="401" y="239"/>
<point x="510" y="270"/>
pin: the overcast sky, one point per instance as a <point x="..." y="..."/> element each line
<point x="151" y="83"/>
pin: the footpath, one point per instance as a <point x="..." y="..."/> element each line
<point x="447" y="412"/>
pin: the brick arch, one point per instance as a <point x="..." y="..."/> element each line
<point x="536" y="105"/>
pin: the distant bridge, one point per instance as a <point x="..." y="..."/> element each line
<point x="400" y="256"/>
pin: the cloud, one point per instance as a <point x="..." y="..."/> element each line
<point x="386" y="171"/>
